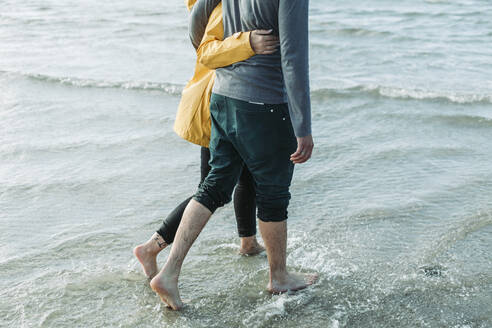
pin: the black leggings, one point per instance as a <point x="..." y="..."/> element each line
<point x="244" y="204"/>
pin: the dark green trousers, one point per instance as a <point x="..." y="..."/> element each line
<point x="262" y="138"/>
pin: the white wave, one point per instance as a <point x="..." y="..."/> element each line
<point x="176" y="89"/>
<point x="169" y="88"/>
<point x="403" y="93"/>
<point x="420" y="94"/>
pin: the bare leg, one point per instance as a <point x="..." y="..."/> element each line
<point x="165" y="284"/>
<point x="250" y="246"/>
<point x="146" y="254"/>
<point x="275" y="236"/>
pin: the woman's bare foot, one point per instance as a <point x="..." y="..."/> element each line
<point x="291" y="283"/>
<point x="146" y="254"/>
<point x="250" y="246"/>
<point x="166" y="287"/>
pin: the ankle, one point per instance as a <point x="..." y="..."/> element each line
<point x="279" y="275"/>
<point x="170" y="272"/>
<point x="248" y="242"/>
<point x="155" y="244"/>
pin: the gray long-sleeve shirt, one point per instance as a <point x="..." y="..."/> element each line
<point x="272" y="79"/>
<point x="200" y="14"/>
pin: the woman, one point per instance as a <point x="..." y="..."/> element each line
<point x="193" y="124"/>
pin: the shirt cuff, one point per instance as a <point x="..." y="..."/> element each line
<point x="244" y="37"/>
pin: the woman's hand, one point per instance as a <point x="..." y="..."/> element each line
<point x="263" y="43"/>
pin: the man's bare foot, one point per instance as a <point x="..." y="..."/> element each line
<point x="250" y="246"/>
<point x="167" y="289"/>
<point x="291" y="283"/>
<point x="146" y="254"/>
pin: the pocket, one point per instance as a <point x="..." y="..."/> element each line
<point x="287" y="123"/>
<point x="216" y="101"/>
<point x="216" y="105"/>
<point x="264" y="131"/>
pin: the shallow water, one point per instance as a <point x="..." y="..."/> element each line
<point x="394" y="210"/>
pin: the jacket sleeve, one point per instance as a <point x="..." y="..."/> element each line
<point x="189" y="4"/>
<point x="294" y="48"/>
<point x="214" y="52"/>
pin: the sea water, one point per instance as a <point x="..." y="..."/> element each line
<point x="394" y="210"/>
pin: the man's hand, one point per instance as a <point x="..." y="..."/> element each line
<point x="263" y="43"/>
<point x="304" y="150"/>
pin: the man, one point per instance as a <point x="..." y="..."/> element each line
<point x="251" y="126"/>
<point x="193" y="123"/>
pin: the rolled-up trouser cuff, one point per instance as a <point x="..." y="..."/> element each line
<point x="210" y="196"/>
<point x="272" y="215"/>
<point x="272" y="206"/>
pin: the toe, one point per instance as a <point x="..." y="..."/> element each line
<point x="312" y="278"/>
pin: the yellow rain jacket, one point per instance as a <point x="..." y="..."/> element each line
<point x="193" y="116"/>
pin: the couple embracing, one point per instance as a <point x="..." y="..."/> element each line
<point x="249" y="103"/>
